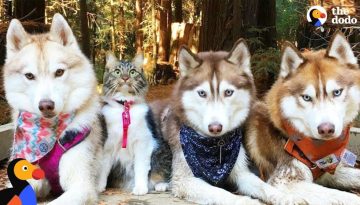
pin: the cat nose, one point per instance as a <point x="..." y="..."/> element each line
<point x="215" y="128"/>
<point x="125" y="77"/>
<point x="46" y="105"/>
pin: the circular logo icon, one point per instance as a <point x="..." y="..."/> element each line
<point x="316" y="15"/>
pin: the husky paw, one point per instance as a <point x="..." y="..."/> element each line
<point x="162" y="186"/>
<point x="140" y="190"/>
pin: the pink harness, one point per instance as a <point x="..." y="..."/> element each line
<point x="43" y="141"/>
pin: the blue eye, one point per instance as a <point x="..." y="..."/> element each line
<point x="306" y="98"/>
<point x="228" y="92"/>
<point x="338" y="92"/>
<point x="202" y="93"/>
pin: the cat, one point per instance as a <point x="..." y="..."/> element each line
<point x="128" y="158"/>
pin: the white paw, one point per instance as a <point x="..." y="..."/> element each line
<point x="140" y="190"/>
<point x="162" y="186"/>
<point x="291" y="200"/>
<point x="248" y="201"/>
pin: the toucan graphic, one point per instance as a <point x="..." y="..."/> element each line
<point x="315" y="14"/>
<point x="20" y="170"/>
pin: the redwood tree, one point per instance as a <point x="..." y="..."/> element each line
<point x="139" y="33"/>
<point x="30" y="10"/>
<point x="165" y="30"/>
<point x="85" y="39"/>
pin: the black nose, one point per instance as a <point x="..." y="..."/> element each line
<point x="46" y="106"/>
<point x="215" y="127"/>
<point x="326" y="128"/>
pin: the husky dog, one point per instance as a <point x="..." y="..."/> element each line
<point x="51" y="87"/>
<point x="131" y="149"/>
<point x="300" y="133"/>
<point x="203" y="123"/>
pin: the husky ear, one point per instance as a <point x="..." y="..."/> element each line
<point x="240" y="55"/>
<point x="340" y="49"/>
<point x="138" y="61"/>
<point x="61" y="32"/>
<point x="111" y="60"/>
<point x="290" y="61"/>
<point x="187" y="60"/>
<point x="16" y="38"/>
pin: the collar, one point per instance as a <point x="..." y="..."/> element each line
<point x="319" y="155"/>
<point x="35" y="136"/>
<point x="125" y="102"/>
<point x="126" y="120"/>
<point x="210" y="158"/>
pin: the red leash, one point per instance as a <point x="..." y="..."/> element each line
<point x="126" y="121"/>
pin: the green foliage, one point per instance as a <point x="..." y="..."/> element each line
<point x="289" y="14"/>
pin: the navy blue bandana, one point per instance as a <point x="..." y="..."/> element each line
<point x="210" y="158"/>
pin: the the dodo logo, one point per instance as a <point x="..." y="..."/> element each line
<point x="316" y="15"/>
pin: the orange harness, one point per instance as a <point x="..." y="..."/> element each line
<point x="319" y="155"/>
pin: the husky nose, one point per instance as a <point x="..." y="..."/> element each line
<point x="46" y="105"/>
<point x="215" y="128"/>
<point x="326" y="128"/>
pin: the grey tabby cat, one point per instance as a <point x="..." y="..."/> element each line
<point x="135" y="156"/>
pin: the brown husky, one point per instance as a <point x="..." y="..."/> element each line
<point x="299" y="135"/>
<point x="203" y="123"/>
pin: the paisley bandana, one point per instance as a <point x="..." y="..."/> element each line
<point x="35" y="136"/>
<point x="210" y="158"/>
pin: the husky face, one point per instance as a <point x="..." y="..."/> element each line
<point x="216" y="89"/>
<point x="47" y="73"/>
<point x="320" y="93"/>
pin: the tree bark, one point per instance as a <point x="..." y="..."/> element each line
<point x="178" y="11"/>
<point x="112" y="28"/>
<point x="121" y="29"/>
<point x="30" y="10"/>
<point x="85" y="39"/>
<point x="165" y="30"/>
<point x="267" y="19"/>
<point x="139" y="33"/>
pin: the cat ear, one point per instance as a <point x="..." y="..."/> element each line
<point x="138" y="61"/>
<point x="111" y="60"/>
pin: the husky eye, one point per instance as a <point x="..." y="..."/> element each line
<point x="25" y="168"/>
<point x="30" y="76"/>
<point x="59" y="72"/>
<point x="202" y="93"/>
<point x="228" y="92"/>
<point x="338" y="92"/>
<point x="306" y="98"/>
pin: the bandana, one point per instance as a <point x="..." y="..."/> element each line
<point x="35" y="136"/>
<point x="210" y="158"/>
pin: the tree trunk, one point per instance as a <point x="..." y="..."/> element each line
<point x="178" y="11"/>
<point x="30" y="10"/>
<point x="85" y="39"/>
<point x="267" y="19"/>
<point x="121" y="29"/>
<point x="165" y="30"/>
<point x="112" y="28"/>
<point x="154" y="37"/>
<point x="237" y="20"/>
<point x="139" y="33"/>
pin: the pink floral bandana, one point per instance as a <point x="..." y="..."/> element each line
<point x="35" y="136"/>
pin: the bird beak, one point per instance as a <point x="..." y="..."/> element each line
<point x="38" y="174"/>
<point x="322" y="15"/>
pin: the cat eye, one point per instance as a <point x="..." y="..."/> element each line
<point x="117" y="72"/>
<point x="338" y="92"/>
<point x="30" y="76"/>
<point x="132" y="72"/>
<point x="59" y="72"/>
<point x="202" y="93"/>
<point x="306" y="98"/>
<point x="228" y="92"/>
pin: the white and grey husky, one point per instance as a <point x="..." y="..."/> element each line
<point x="51" y="87"/>
<point x="133" y="147"/>
<point x="203" y="123"/>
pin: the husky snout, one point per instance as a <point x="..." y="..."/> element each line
<point x="215" y="128"/>
<point x="326" y="129"/>
<point x="47" y="107"/>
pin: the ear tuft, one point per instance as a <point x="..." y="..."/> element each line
<point x="62" y="32"/>
<point x="16" y="38"/>
<point x="138" y="60"/>
<point x="240" y="55"/>
<point x="290" y="61"/>
<point x="111" y="60"/>
<point x="340" y="49"/>
<point x="187" y="60"/>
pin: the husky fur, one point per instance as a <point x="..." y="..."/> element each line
<point x="316" y="74"/>
<point x="128" y="168"/>
<point x="43" y="55"/>
<point x="212" y="73"/>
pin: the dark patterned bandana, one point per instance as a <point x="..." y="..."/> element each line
<point x="210" y="158"/>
